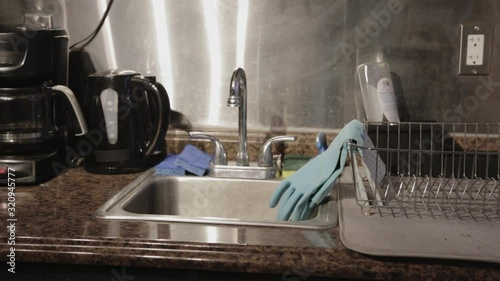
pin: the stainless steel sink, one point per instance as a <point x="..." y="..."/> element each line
<point x="206" y="200"/>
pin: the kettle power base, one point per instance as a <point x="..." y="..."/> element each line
<point x="125" y="167"/>
<point x="27" y="169"/>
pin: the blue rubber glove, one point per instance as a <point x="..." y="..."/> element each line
<point x="309" y="208"/>
<point x="325" y="189"/>
<point x="307" y="187"/>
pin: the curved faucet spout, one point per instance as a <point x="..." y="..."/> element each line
<point x="238" y="98"/>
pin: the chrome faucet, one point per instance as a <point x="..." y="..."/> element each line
<point x="238" y="98"/>
<point x="265" y="168"/>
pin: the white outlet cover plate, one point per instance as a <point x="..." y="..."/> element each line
<point x="475" y="54"/>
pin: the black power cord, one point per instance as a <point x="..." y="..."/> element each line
<point x="93" y="35"/>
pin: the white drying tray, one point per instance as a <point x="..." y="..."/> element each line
<point x="402" y="234"/>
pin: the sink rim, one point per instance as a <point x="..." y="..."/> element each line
<point x="113" y="208"/>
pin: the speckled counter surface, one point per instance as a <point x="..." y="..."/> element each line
<point x="56" y="225"/>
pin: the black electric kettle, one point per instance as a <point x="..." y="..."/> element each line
<point x="128" y="116"/>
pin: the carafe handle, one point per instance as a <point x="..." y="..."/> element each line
<point x="68" y="94"/>
<point x="149" y="86"/>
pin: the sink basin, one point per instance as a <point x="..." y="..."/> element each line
<point x="206" y="200"/>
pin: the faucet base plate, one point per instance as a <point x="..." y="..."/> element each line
<point x="242" y="172"/>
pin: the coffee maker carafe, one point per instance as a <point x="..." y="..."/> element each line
<point x="33" y="95"/>
<point x="128" y="116"/>
<point x="27" y="120"/>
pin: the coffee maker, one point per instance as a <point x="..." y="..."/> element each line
<point x="35" y="103"/>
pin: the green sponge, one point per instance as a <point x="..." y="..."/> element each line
<point x="293" y="162"/>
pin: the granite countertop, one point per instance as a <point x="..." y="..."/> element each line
<point x="56" y="224"/>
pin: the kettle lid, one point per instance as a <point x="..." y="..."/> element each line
<point x="114" y="72"/>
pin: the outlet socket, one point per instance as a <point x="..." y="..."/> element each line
<point x="475" y="49"/>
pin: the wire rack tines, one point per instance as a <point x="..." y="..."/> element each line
<point x="429" y="168"/>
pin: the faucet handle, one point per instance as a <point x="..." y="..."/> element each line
<point x="220" y="157"/>
<point x="266" y="155"/>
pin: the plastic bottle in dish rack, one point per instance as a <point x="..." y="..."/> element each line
<point x="378" y="92"/>
<point x="369" y="74"/>
<point x="387" y="99"/>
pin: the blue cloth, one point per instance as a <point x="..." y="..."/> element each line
<point x="168" y="168"/>
<point x="299" y="194"/>
<point x="193" y="160"/>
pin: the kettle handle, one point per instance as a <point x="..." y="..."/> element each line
<point x="148" y="85"/>
<point x="68" y="94"/>
<point x="166" y="103"/>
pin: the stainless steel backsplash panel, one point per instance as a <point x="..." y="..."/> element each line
<point x="300" y="56"/>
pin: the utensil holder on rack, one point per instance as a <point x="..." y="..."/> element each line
<point x="436" y="168"/>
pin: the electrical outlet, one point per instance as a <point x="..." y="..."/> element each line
<point x="475" y="49"/>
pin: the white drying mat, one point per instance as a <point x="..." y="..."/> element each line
<point x="399" y="234"/>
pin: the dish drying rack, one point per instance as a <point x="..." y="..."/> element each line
<point x="429" y="169"/>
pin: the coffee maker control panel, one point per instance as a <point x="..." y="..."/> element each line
<point x="31" y="169"/>
<point x="109" y="103"/>
<point x="22" y="171"/>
